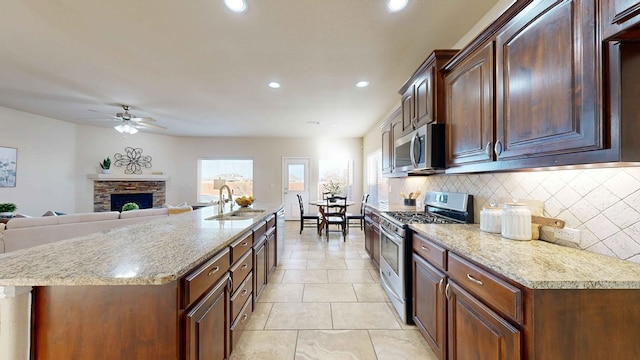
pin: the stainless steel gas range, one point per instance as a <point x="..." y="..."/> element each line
<point x="395" y="242"/>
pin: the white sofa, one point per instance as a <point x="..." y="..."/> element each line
<point x="21" y="233"/>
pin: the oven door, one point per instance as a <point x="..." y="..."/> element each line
<point x="392" y="271"/>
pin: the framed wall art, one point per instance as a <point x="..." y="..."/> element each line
<point x="8" y="163"/>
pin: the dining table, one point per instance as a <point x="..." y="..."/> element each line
<point x="321" y="204"/>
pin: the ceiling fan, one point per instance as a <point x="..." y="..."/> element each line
<point x="129" y="123"/>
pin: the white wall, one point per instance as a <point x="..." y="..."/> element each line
<point x="267" y="154"/>
<point x="46" y="169"/>
<point x="55" y="157"/>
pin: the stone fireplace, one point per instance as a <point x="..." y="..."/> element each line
<point x="102" y="191"/>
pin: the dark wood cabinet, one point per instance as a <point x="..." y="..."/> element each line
<point x="429" y="304"/>
<point x="470" y="120"/>
<point x="259" y="268"/>
<point x="476" y="332"/>
<point x="387" y="149"/>
<point x="547" y="76"/>
<point x="422" y="96"/>
<point x="207" y="334"/>
<point x="271" y="251"/>
<point x="391" y="130"/>
<point x="372" y="237"/>
<point x="619" y="17"/>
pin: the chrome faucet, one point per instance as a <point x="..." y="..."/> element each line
<point x="221" y="200"/>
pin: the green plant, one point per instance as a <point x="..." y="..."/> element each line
<point x="130" y="206"/>
<point x="332" y="187"/>
<point x="8" y="207"/>
<point x="106" y="163"/>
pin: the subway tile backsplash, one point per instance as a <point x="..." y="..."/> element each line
<point x="603" y="203"/>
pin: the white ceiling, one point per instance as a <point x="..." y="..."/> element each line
<point x="201" y="70"/>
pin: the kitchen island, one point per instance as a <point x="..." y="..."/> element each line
<point x="131" y="292"/>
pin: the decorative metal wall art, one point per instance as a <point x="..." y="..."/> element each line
<point x="8" y="164"/>
<point x="132" y="160"/>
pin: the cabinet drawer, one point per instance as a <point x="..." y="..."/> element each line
<point x="241" y="246"/>
<point x="240" y="270"/>
<point x="259" y="230"/>
<point x="435" y="254"/>
<point x="244" y="292"/>
<point x="200" y="280"/>
<point x="271" y="222"/>
<point x="493" y="291"/>
<point x="241" y="322"/>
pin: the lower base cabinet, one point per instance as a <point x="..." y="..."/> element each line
<point x="429" y="304"/>
<point x="207" y="328"/>
<point x="476" y="332"/>
<point x="260" y="269"/>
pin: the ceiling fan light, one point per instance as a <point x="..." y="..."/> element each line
<point x="396" y="5"/>
<point x="126" y="129"/>
<point x="236" y="5"/>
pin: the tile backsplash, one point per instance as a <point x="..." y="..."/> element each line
<point x="603" y="203"/>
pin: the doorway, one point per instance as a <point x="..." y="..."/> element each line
<point x="295" y="180"/>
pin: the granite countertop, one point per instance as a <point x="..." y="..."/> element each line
<point x="151" y="253"/>
<point x="535" y="264"/>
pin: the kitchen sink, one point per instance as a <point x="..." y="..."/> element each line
<point x="242" y="214"/>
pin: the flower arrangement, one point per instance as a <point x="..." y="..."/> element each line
<point x="332" y="187"/>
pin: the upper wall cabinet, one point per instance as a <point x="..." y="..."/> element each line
<point x="546" y="76"/>
<point x="547" y="90"/>
<point x="619" y="16"/>
<point x="423" y="94"/>
<point x="469" y="129"/>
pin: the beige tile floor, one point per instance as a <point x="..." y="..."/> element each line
<point x="325" y="301"/>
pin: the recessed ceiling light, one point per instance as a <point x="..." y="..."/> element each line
<point x="236" y="5"/>
<point x="396" y="5"/>
<point x="313" y="122"/>
<point x="362" y="84"/>
<point x="274" y="85"/>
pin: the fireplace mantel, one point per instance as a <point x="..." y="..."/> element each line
<point x="124" y="177"/>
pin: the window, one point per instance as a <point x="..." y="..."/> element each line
<point x="377" y="186"/>
<point x="236" y="173"/>
<point x="338" y="172"/>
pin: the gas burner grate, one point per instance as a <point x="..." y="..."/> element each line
<point x="407" y="217"/>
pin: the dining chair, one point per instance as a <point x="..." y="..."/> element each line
<point x="359" y="217"/>
<point x="335" y="214"/>
<point x="307" y="219"/>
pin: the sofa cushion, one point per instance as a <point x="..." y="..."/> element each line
<point x="17" y="223"/>
<point x="84" y="217"/>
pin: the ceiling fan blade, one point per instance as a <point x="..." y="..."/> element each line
<point x="109" y="115"/>
<point x="143" y="119"/>
<point x="150" y="126"/>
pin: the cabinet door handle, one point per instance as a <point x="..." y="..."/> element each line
<point x="213" y="271"/>
<point x="244" y="244"/>
<point x="474" y="280"/>
<point x="498" y="148"/>
<point x="244" y="266"/>
<point x="425" y="248"/>
<point x="244" y="292"/>
<point x="244" y="317"/>
<point x="440" y="286"/>
<point x="488" y="149"/>
<point x="447" y="292"/>
<point x="230" y="283"/>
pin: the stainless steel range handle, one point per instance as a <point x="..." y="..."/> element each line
<point x="384" y="283"/>
<point x="391" y="236"/>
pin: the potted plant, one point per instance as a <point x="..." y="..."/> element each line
<point x="130" y="206"/>
<point x="7" y="209"/>
<point x="106" y="166"/>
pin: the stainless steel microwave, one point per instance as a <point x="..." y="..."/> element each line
<point x="422" y="151"/>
